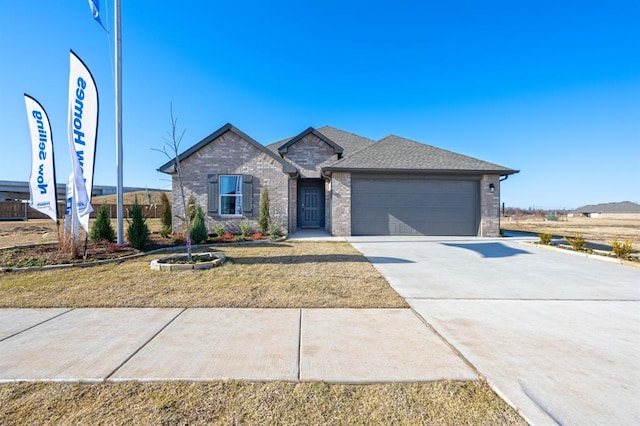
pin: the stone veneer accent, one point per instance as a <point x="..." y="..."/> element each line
<point x="489" y="206"/>
<point x="340" y="204"/>
<point x="231" y="154"/>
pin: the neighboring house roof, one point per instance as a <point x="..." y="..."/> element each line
<point x="620" y="207"/>
<point x="169" y="166"/>
<point x="394" y="153"/>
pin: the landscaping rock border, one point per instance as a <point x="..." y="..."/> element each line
<point x="202" y="261"/>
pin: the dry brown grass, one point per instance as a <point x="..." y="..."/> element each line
<point x="39" y="231"/>
<point x="445" y="403"/>
<point x="268" y="275"/>
<point x="144" y="198"/>
<point x="592" y="229"/>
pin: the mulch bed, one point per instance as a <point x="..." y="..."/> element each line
<point x="52" y="254"/>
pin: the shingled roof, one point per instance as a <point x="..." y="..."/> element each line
<point x="394" y="153"/>
<point x="349" y="142"/>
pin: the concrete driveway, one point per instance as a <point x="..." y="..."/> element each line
<point x="557" y="335"/>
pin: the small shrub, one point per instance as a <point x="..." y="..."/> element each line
<point x="137" y="231"/>
<point x="545" y="238"/>
<point x="228" y="236"/>
<point x="102" y="229"/>
<point x="238" y="238"/>
<point x="263" y="219"/>
<point x="191" y="207"/>
<point x="218" y="229"/>
<point x="176" y="239"/>
<point x="577" y="242"/>
<point x="199" y="233"/>
<point x="552" y="218"/>
<point x="245" y="228"/>
<point x="257" y="235"/>
<point x="622" y="250"/>
<point x="165" y="215"/>
<point x="275" y="230"/>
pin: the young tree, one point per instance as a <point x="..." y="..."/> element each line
<point x="102" y="229"/>
<point x="171" y="150"/>
<point x="199" y="232"/>
<point x="137" y="231"/>
<point x="263" y="219"/>
<point x="165" y="215"/>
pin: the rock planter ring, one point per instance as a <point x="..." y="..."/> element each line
<point x="179" y="262"/>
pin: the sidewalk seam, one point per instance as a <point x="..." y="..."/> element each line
<point x="299" y="341"/>
<point x="108" y="376"/>
<point x="449" y="345"/>
<point x="36" y="325"/>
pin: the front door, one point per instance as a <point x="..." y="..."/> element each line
<point x="310" y="203"/>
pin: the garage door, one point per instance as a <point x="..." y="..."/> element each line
<point x="418" y="205"/>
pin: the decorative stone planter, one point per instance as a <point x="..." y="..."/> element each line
<point x="178" y="262"/>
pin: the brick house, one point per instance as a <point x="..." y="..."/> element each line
<point x="341" y="182"/>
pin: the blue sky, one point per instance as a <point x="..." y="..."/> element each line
<point x="549" y="88"/>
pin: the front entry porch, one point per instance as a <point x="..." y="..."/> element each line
<point x="311" y="205"/>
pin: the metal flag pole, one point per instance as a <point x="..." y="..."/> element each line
<point x="118" y="87"/>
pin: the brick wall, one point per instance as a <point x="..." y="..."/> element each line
<point x="310" y="155"/>
<point x="340" y="204"/>
<point x="230" y="154"/>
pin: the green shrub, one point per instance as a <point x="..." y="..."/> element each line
<point x="165" y="215"/>
<point x="218" y="229"/>
<point x="545" y="238"/>
<point x="263" y="219"/>
<point x="102" y="229"/>
<point x="577" y="242"/>
<point x="199" y="232"/>
<point x="622" y="250"/>
<point x="245" y="228"/>
<point x="191" y="207"/>
<point x="137" y="231"/>
<point x="275" y="230"/>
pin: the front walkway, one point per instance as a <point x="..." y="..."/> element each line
<point x="117" y="344"/>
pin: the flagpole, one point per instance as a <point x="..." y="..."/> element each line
<point x="118" y="87"/>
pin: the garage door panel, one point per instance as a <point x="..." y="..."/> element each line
<point x="414" y="206"/>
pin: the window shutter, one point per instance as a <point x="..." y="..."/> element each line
<point x="212" y="194"/>
<point x="247" y="195"/>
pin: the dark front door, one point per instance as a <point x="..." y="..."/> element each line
<point x="310" y="203"/>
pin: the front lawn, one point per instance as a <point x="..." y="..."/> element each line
<point x="269" y="275"/>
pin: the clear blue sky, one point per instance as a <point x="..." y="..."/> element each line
<point x="551" y="88"/>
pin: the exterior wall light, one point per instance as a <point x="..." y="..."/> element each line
<point x="492" y="188"/>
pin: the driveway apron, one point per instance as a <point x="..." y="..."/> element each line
<point x="555" y="334"/>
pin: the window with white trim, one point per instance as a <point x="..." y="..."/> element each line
<point x="230" y="195"/>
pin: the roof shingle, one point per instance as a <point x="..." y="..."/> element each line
<point x="400" y="154"/>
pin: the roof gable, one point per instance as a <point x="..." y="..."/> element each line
<point x="285" y="147"/>
<point x="394" y="153"/>
<point x="169" y="166"/>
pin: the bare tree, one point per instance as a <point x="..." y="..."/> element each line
<point x="171" y="149"/>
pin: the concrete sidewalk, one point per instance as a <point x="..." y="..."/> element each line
<point x="332" y="345"/>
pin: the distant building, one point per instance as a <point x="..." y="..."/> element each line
<point x="621" y="210"/>
<point x="19" y="191"/>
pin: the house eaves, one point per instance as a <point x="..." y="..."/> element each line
<point x="169" y="166"/>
